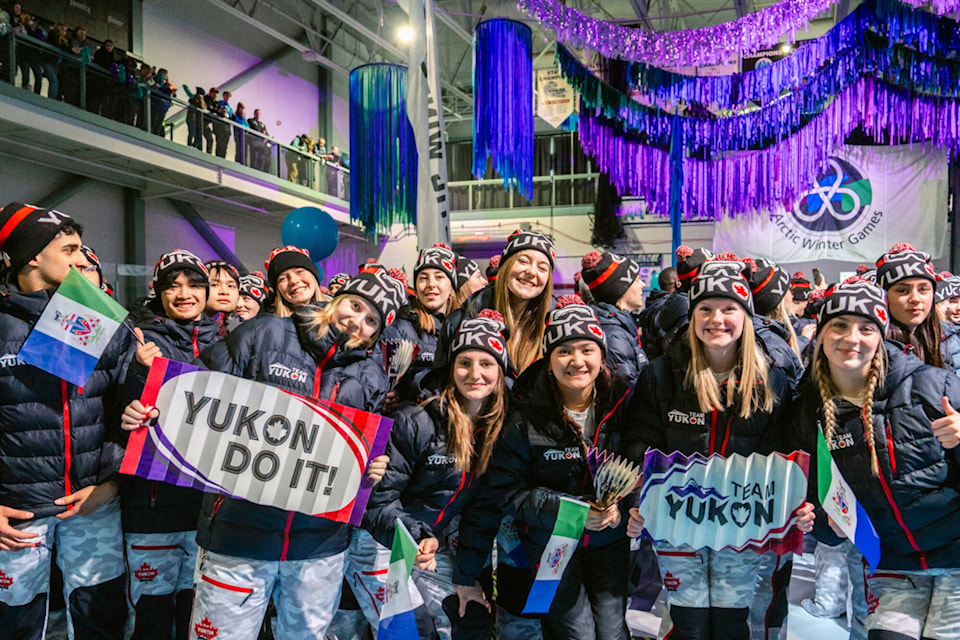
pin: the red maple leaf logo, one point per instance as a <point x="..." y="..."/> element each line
<point x="381" y="594"/>
<point x="145" y="573"/>
<point x="881" y="313"/>
<point x="597" y="331"/>
<point x="390" y="317"/>
<point x="671" y="582"/>
<point x="740" y="290"/>
<point x="5" y="581"/>
<point x="495" y="344"/>
<point x="447" y="265"/>
<point x="205" y="629"/>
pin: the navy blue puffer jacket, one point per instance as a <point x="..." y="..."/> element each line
<point x="150" y="506"/>
<point x="55" y="438"/>
<point x="915" y="502"/>
<point x="624" y="356"/>
<point x="284" y="353"/>
<point x="950" y="346"/>
<point x="407" y="327"/>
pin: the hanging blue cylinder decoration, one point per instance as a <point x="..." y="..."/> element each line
<point x="503" y="102"/>
<point x="383" y="165"/>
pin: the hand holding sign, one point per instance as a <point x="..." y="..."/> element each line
<point x="635" y="523"/>
<point x="600" y="519"/>
<point x="947" y="428"/>
<point x="805" y="517"/>
<point x="136" y="415"/>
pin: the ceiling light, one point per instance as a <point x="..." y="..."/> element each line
<point x="405" y="34"/>
<point x="786" y="48"/>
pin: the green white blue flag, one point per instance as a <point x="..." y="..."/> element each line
<point x="571" y="517"/>
<point x="397" y="620"/>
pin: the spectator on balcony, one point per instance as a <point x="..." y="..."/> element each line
<point x="321" y="149"/>
<point x="100" y="98"/>
<point x="9" y="22"/>
<point x="221" y="124"/>
<point x="50" y="60"/>
<point x="162" y="93"/>
<point x="28" y="53"/>
<point x="210" y="102"/>
<point x="239" y="118"/>
<point x="79" y="45"/>
<point x="143" y="82"/>
<point x="259" y="147"/>
<point x="335" y="173"/>
<point x="197" y="105"/>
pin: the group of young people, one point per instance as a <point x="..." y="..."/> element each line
<point x="492" y="425"/>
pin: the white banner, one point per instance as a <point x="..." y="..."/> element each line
<point x="425" y="111"/>
<point x="556" y="99"/>
<point x="867" y="200"/>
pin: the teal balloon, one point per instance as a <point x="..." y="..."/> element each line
<point x="319" y="271"/>
<point x="313" y="229"/>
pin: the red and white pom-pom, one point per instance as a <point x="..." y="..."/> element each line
<point x="591" y="260"/>
<point x="684" y="252"/>
<point x="259" y="274"/>
<point x="750" y="262"/>
<point x="816" y="295"/>
<point x="943" y="275"/>
<point x="491" y="314"/>
<point x="324" y="290"/>
<point x="577" y="277"/>
<point x="441" y="245"/>
<point x="398" y="274"/>
<point x="853" y="279"/>
<point x="495" y="261"/>
<point x="370" y="261"/>
<point x="902" y="246"/>
<point x="568" y="299"/>
<point x="799" y="275"/>
<point x="862" y="269"/>
<point x="727" y="256"/>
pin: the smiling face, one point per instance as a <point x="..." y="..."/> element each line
<point x="297" y="286"/>
<point x="718" y="324"/>
<point x="247" y="307"/>
<point x="433" y="289"/>
<point x="356" y="317"/>
<point x="950" y="308"/>
<point x="910" y="301"/>
<point x="575" y="364"/>
<point x="184" y="300"/>
<point x="528" y="275"/>
<point x="849" y="343"/>
<point x="476" y="375"/>
<point x="224" y="292"/>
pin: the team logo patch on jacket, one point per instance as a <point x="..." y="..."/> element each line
<point x="10" y="360"/>
<point x="840" y="441"/>
<point x="439" y="460"/>
<point x="290" y="373"/>
<point x="569" y="453"/>
<point x="145" y="573"/>
<point x="5" y="581"/>
<point x="205" y="629"/>
<point x="679" y="417"/>
<point x="671" y="582"/>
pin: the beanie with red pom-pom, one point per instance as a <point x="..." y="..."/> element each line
<point x="486" y="332"/>
<point x="608" y="275"/>
<point x="903" y="262"/>
<point x="769" y="283"/>
<point x="441" y="258"/>
<point x="689" y="262"/>
<point x="858" y="297"/>
<point x="493" y="266"/>
<point x="799" y="286"/>
<point x="571" y="319"/>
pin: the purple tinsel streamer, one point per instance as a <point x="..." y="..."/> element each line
<point x="503" y="102"/>
<point x="694" y="47"/>
<point x="941" y="7"/>
<point x="748" y="182"/>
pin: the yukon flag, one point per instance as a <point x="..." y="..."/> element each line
<point x="425" y="112"/>
<point x="571" y="517"/>
<point x="841" y="505"/>
<point x="397" y="620"/>
<point x="73" y="330"/>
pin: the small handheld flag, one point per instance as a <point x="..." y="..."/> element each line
<point x="73" y="331"/>
<point x="571" y="517"/>
<point x="842" y="507"/>
<point x="397" y="620"/>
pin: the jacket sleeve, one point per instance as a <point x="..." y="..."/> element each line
<point x="510" y="473"/>
<point x="114" y="401"/>
<point x="479" y="524"/>
<point x="233" y="353"/>
<point x="643" y="423"/>
<point x="385" y="506"/>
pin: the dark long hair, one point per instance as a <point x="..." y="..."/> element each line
<point x="925" y="339"/>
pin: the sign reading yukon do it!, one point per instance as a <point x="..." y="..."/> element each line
<point x="735" y="502"/>
<point x="223" y="434"/>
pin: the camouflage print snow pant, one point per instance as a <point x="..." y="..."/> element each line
<point x="160" y="569"/>
<point x="768" y="611"/>
<point x="232" y="596"/>
<point x="90" y="554"/>
<point x="709" y="592"/>
<point x="365" y="568"/>
<point x="914" y="604"/>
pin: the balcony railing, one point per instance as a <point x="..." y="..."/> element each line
<point x="548" y="191"/>
<point x="33" y="64"/>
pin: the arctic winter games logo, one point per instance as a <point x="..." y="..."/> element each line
<point x="837" y="199"/>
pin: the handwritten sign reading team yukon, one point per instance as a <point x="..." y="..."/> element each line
<point x="249" y="440"/>
<point x="735" y="502"/>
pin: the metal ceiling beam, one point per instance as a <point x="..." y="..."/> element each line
<point x="843" y="8"/>
<point x="743" y="7"/>
<point x="642" y="9"/>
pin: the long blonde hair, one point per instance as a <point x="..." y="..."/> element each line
<point x="282" y="309"/>
<point x="779" y="313"/>
<point x="462" y="431"/>
<point x="753" y="388"/>
<point x="828" y="391"/>
<point x="526" y="333"/>
<point x="319" y="321"/>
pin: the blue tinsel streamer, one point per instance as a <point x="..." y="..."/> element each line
<point x="383" y="168"/>
<point x="503" y="102"/>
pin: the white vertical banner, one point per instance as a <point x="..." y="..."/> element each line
<point x="556" y="99"/>
<point x="425" y="111"/>
<point x="867" y="200"/>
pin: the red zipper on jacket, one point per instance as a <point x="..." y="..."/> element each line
<point x="65" y="395"/>
<point x="893" y="457"/>
<point x="316" y="376"/>
<point x="903" y="525"/>
<point x="286" y="536"/>
<point x="726" y="437"/>
<point x="463" y="479"/>
<point x="713" y="432"/>
<point x="196" y="348"/>
<point x="217" y="504"/>
<point x="609" y="413"/>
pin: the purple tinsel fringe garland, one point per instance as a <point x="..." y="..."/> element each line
<point x="748" y="182"/>
<point x="692" y="47"/>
